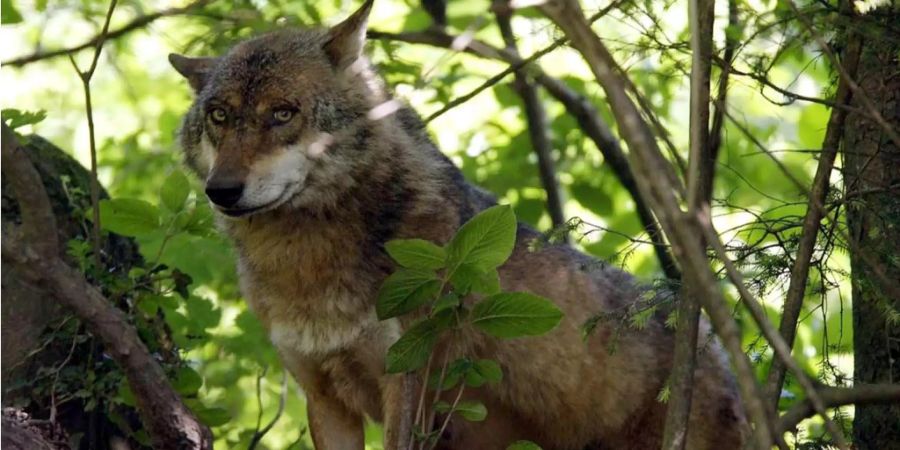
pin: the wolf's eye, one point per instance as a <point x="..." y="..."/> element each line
<point x="218" y="116"/>
<point x="283" y="115"/>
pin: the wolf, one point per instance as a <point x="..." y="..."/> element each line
<point x="312" y="167"/>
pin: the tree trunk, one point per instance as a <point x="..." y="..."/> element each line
<point x="871" y="179"/>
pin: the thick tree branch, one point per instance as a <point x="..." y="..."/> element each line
<point x="700" y="174"/>
<point x="811" y="222"/>
<point x="33" y="250"/>
<point x="833" y="397"/>
<point x="136" y="24"/>
<point x="538" y="129"/>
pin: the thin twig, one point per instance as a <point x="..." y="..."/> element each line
<point x="136" y="24"/>
<point x="282" y="399"/>
<point x="89" y="110"/>
<point x="778" y="344"/>
<point x="459" y="393"/>
<point x="846" y="76"/>
<point x="513" y="68"/>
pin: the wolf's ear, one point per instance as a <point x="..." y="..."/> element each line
<point x="346" y="39"/>
<point x="196" y="70"/>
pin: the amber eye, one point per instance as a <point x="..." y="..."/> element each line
<point x="218" y="116"/>
<point x="283" y="115"/>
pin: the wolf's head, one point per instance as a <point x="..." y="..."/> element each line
<point x="263" y="129"/>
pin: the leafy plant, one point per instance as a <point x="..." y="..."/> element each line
<point x="454" y="287"/>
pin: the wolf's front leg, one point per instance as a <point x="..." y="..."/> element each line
<point x="333" y="427"/>
<point x="399" y="397"/>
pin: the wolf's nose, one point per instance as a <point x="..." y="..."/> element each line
<point x="224" y="193"/>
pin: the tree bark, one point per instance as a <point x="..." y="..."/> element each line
<point x="872" y="179"/>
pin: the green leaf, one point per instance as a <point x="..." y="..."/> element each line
<point x="411" y="351"/>
<point x="125" y="396"/>
<point x="416" y="253"/>
<point x="485" y="241"/>
<point x="129" y="216"/>
<point x="515" y="314"/>
<point x="446" y="302"/>
<point x="404" y="291"/>
<point x="15" y="118"/>
<point x="523" y="445"/>
<point x="175" y="190"/>
<point x="187" y="381"/>
<point x="471" y="410"/>
<point x="8" y="13"/>
<point x="489" y="369"/>
<point x="467" y="278"/>
<point x="214" y="417"/>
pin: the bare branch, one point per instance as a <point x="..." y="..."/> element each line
<point x="833" y="397"/>
<point x="538" y="129"/>
<point x="700" y="174"/>
<point x="86" y="85"/>
<point x="814" y="213"/>
<point x="847" y="78"/>
<point x="649" y="163"/>
<point x="136" y="24"/>
<point x="779" y="346"/>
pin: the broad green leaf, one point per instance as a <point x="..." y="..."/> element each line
<point x="515" y="314"/>
<point x="411" y="351"/>
<point x="129" y="216"/>
<point x="15" y="118"/>
<point x="8" y="13"/>
<point x="523" y="445"/>
<point x="489" y="370"/>
<point x="416" y="253"/>
<point x="187" y="381"/>
<point x="404" y="291"/>
<point x="467" y="278"/>
<point x="174" y="191"/>
<point x="485" y="241"/>
<point x="471" y="410"/>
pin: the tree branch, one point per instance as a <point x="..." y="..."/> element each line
<point x="33" y="250"/>
<point x="89" y="110"/>
<point x="833" y="397"/>
<point x="779" y="346"/>
<point x="700" y="174"/>
<point x="814" y="213"/>
<point x="681" y="229"/>
<point x="537" y="126"/>
<point x="136" y="24"/>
